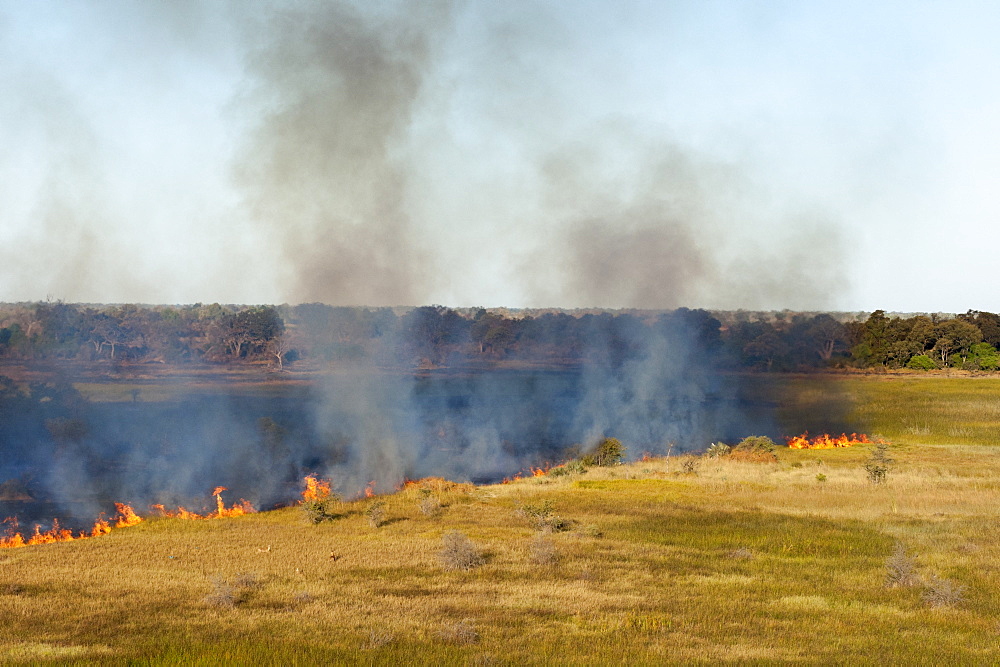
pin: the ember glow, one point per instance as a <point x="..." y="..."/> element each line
<point x="13" y="538"/>
<point x="827" y="441"/>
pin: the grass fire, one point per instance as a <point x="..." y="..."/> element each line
<point x="826" y="441"/>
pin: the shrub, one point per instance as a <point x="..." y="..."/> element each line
<point x="376" y="513"/>
<point x="324" y="507"/>
<point x="943" y="592"/>
<point x="717" y="450"/>
<point x="901" y="569"/>
<point x="572" y="467"/>
<point x="458" y="552"/>
<point x="690" y="466"/>
<point x="921" y="362"/>
<point x="607" y="452"/>
<point x="462" y="632"/>
<point x="542" y="516"/>
<point x="820" y="477"/>
<point x="428" y="504"/>
<point x="878" y="464"/>
<point x="756" y="449"/>
<point x="543" y="550"/>
<point x="228" y="595"/>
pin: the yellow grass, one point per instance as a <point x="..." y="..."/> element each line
<point x="740" y="562"/>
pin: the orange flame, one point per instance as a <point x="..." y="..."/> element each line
<point x="370" y="489"/>
<point x="13" y="539"/>
<point x="221" y="511"/>
<point x="316" y="489"/>
<point x="826" y="441"/>
<point x="126" y="517"/>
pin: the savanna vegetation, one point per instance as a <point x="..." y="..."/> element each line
<point x="802" y="556"/>
<point x="316" y="335"/>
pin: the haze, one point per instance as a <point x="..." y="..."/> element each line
<point x="706" y="154"/>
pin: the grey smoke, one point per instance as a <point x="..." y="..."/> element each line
<point x="335" y="88"/>
<point x="357" y="120"/>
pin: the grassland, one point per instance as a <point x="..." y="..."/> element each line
<point x="714" y="561"/>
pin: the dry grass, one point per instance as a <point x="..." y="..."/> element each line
<point x="743" y="562"/>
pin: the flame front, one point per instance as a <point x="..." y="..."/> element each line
<point x="316" y="489"/>
<point x="221" y="511"/>
<point x="13" y="538"/>
<point x="826" y="441"/>
<point x="126" y="517"/>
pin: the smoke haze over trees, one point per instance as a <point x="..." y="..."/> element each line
<point x="316" y="335"/>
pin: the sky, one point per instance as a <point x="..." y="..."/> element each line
<point x="757" y="155"/>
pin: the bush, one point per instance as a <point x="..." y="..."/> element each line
<point x="428" y="504"/>
<point x="943" y="592"/>
<point x="462" y="632"/>
<point x="542" y="517"/>
<point x="717" y="450"/>
<point x="878" y="464"/>
<point x="543" y="550"/>
<point x="376" y="513"/>
<point x="921" y="362"/>
<point x="901" y="569"/>
<point x="458" y="552"/>
<point x="756" y="449"/>
<point x="690" y="466"/>
<point x="228" y="595"/>
<point x="318" y="511"/>
<point x="608" y="452"/>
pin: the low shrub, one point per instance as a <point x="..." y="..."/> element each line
<point x="543" y="550"/>
<point x="901" y="569"/>
<point x="943" y="592"/>
<point x="717" y="450"/>
<point x="608" y="452"/>
<point x="428" y="504"/>
<point x="878" y="464"/>
<point x="755" y="449"/>
<point x="458" y="552"/>
<point x="462" y="632"/>
<point x="323" y="509"/>
<point x="227" y="594"/>
<point x="542" y="516"/>
<point x="689" y="466"/>
<point x="376" y="513"/>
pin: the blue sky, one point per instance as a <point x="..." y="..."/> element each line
<point x="762" y="155"/>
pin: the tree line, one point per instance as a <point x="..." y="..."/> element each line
<point x="433" y="336"/>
